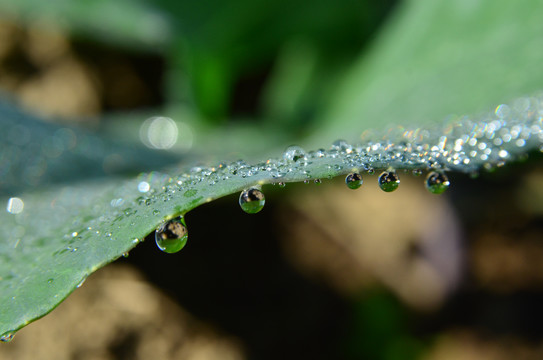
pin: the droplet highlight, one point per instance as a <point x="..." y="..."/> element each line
<point x="389" y="181"/>
<point x="252" y="200"/>
<point x="172" y="236"/>
<point x="353" y="181"/>
<point x="437" y="182"/>
<point x="15" y="205"/>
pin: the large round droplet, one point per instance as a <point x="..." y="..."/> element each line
<point x="437" y="182"/>
<point x="389" y="181"/>
<point x="353" y="181"/>
<point x="251" y="201"/>
<point x="172" y="235"/>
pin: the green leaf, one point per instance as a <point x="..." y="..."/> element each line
<point x="51" y="241"/>
<point x="436" y="58"/>
<point x="38" y="153"/>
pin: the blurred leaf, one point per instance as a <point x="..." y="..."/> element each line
<point x="223" y="42"/>
<point x="135" y="24"/>
<point x="436" y="58"/>
<point x="38" y="153"/>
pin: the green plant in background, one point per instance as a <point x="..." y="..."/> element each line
<point x="431" y="59"/>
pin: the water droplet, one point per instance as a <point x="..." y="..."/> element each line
<point x="7" y="336"/>
<point x="294" y="153"/>
<point x="417" y="172"/>
<point x="502" y="111"/>
<point x="50" y="281"/>
<point x="190" y="192"/>
<point x="342" y="145"/>
<point x="81" y="283"/>
<point x="15" y="205"/>
<point x="281" y="184"/>
<point x="172" y="235"/>
<point x="251" y="201"/>
<point x="437" y="182"/>
<point x="371" y="171"/>
<point x="144" y="187"/>
<point x="353" y="181"/>
<point x="389" y="181"/>
<point x="306" y="181"/>
<point x="318" y="181"/>
<point x="125" y="254"/>
<point x="156" y="212"/>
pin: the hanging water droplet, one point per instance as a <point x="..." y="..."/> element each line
<point x="281" y="184"/>
<point x="417" y="172"/>
<point x="318" y="181"/>
<point x="437" y="182"/>
<point x="251" y="201"/>
<point x="389" y="181"/>
<point x="306" y="181"/>
<point x="353" y="181"/>
<point x="371" y="171"/>
<point x="7" y="336"/>
<point x="172" y="235"/>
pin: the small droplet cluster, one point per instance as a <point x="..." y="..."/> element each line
<point x="464" y="144"/>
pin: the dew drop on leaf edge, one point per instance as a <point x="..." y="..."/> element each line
<point x="389" y="181"/>
<point x="437" y="182"/>
<point x="353" y="181"/>
<point x="252" y="200"/>
<point x="7" y="336"/>
<point x="172" y="236"/>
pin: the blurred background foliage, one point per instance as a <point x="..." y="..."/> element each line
<point x="322" y="273"/>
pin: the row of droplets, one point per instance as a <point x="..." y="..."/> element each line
<point x="464" y="145"/>
<point x="172" y="235"/>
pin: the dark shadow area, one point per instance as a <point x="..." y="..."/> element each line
<point x="235" y="277"/>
